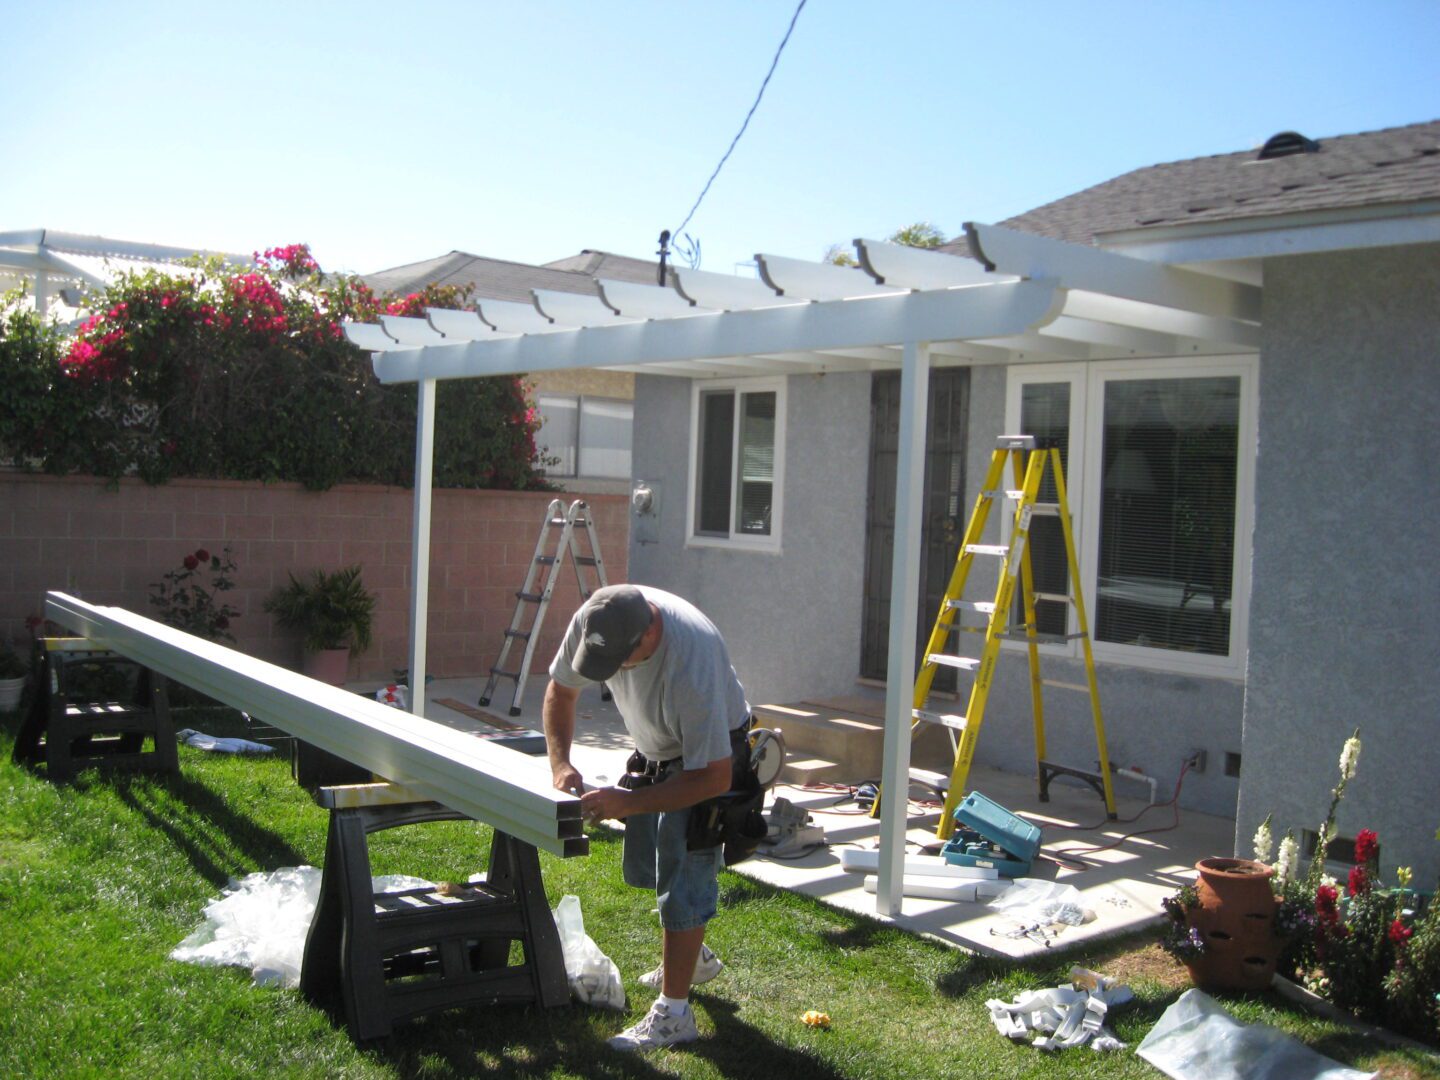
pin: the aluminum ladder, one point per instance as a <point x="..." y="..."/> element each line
<point x="1028" y="466"/>
<point x="563" y="527"/>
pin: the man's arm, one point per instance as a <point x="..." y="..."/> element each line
<point x="686" y="788"/>
<point x="558" y="718"/>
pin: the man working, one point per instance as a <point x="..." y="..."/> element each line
<point x="670" y="674"/>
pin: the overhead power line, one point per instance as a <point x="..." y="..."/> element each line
<point x="667" y="234"/>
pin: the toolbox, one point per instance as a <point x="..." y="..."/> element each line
<point x="988" y="835"/>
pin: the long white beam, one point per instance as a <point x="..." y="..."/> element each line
<point x="983" y="312"/>
<point x="499" y="786"/>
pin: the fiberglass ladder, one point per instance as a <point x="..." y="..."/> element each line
<point x="1029" y="466"/>
<point x="566" y="526"/>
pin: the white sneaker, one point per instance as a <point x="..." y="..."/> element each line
<point x="658" y="1027"/>
<point x="706" y="968"/>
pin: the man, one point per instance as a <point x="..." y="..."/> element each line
<point x="670" y="675"/>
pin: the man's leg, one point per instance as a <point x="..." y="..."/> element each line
<point x="680" y="950"/>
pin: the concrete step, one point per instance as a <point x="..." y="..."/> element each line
<point x="853" y="744"/>
<point x="810" y="770"/>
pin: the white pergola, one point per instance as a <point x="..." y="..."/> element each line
<point x="53" y="263"/>
<point x="1020" y="299"/>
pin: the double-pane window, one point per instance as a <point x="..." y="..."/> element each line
<point x="738" y="447"/>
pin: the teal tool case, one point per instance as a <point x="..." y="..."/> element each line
<point x="988" y="835"/>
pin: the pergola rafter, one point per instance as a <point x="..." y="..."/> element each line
<point x="1020" y="299"/>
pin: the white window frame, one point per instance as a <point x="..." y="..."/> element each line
<point x="1083" y="486"/>
<point x="738" y="541"/>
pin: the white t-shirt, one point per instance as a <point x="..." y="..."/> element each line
<point x="684" y="700"/>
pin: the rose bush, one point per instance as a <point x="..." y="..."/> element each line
<point x="214" y="371"/>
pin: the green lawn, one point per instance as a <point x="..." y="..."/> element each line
<point x="101" y="878"/>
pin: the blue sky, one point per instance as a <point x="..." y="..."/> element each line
<point x="382" y="134"/>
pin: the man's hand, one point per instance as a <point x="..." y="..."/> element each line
<point x="567" y="778"/>
<point x="604" y="803"/>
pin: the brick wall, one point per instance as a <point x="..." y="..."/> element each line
<point x="107" y="546"/>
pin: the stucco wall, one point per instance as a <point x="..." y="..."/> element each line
<point x="109" y="545"/>
<point x="1343" y="616"/>
<point x="792" y="620"/>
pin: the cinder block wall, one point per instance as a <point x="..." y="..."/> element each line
<point x="109" y="545"/>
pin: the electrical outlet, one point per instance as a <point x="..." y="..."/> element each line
<point x="1196" y="760"/>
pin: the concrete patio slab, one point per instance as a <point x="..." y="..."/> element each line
<point x="1122" y="869"/>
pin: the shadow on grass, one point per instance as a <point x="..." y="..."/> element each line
<point x="192" y="821"/>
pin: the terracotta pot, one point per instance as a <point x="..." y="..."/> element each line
<point x="1236" y="919"/>
<point x="328" y="665"/>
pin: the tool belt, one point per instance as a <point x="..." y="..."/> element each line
<point x="733" y="820"/>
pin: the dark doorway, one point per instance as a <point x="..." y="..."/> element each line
<point x="944" y="510"/>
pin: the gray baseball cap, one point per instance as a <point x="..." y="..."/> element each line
<point x="612" y="622"/>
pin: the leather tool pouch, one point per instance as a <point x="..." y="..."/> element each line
<point x="733" y="819"/>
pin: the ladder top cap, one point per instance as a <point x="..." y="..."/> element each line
<point x="1015" y="442"/>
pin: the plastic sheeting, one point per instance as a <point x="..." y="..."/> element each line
<point x="260" y="922"/>
<point x="1034" y="900"/>
<point x="201" y="741"/>
<point x="1198" y="1040"/>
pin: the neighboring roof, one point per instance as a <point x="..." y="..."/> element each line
<point x="500" y="279"/>
<point x="1375" y="168"/>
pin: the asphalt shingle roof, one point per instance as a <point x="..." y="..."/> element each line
<point x="1374" y="168"/>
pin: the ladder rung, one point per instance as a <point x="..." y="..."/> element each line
<point x="1058" y="685"/>
<point x="557" y="521"/>
<point x="587" y="560"/>
<point x="523" y="635"/>
<point x="1053" y="597"/>
<point x="530" y="597"/>
<point x="988" y="549"/>
<point x="545" y="560"/>
<point x="983" y="607"/>
<point x="961" y="663"/>
<point x="949" y="720"/>
<point x="1040" y="639"/>
<point x="506" y="674"/>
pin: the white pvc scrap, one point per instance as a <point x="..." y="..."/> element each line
<point x="1061" y="1017"/>
<point x="944" y="888"/>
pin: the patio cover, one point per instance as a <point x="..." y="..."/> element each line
<point x="1020" y="299"/>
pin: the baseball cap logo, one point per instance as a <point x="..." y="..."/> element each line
<point x="595" y="640"/>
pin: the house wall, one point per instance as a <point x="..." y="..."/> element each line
<point x="109" y="545"/>
<point x="1153" y="719"/>
<point x="1342" y="619"/>
<point x="792" y="620"/>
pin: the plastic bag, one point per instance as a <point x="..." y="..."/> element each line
<point x="1196" y="1039"/>
<point x="260" y="922"/>
<point x="395" y="695"/>
<point x="594" y="979"/>
<point x="1038" y="901"/>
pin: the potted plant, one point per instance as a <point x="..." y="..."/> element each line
<point x="333" y="613"/>
<point x="14" y="670"/>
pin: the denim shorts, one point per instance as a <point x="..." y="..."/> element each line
<point x="684" y="881"/>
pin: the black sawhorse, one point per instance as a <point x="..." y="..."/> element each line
<point x="390" y="956"/>
<point x="95" y="707"/>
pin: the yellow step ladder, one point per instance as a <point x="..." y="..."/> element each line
<point x="1028" y="466"/>
<point x="559" y="535"/>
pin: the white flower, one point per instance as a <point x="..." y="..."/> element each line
<point x="1349" y="756"/>
<point x="1263" y="841"/>
<point x="1287" y="860"/>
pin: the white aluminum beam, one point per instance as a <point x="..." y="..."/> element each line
<point x="644" y="301"/>
<point x="412" y="332"/>
<point x="917" y="268"/>
<point x="994" y="311"/>
<point x="1121" y="312"/>
<point x="420" y="538"/>
<point x="459" y="325"/>
<point x="575" y="309"/>
<point x="371" y="337"/>
<point x="726" y="292"/>
<point x="1076" y="266"/>
<point x="513" y="318"/>
<point x="489" y="783"/>
<point x="802" y="280"/>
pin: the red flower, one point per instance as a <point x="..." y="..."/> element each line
<point x="203" y="555"/>
<point x="1359" y="881"/>
<point x="1326" y="899"/>
<point x="1399" y="933"/>
<point x="1367" y="847"/>
<point x="191" y="562"/>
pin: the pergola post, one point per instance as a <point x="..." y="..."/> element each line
<point x="420" y="540"/>
<point x="904" y="605"/>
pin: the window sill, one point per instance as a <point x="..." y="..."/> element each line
<point x="768" y="547"/>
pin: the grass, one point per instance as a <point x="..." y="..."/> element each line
<point x="102" y="877"/>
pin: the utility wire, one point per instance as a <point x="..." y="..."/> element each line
<point x="746" y="124"/>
